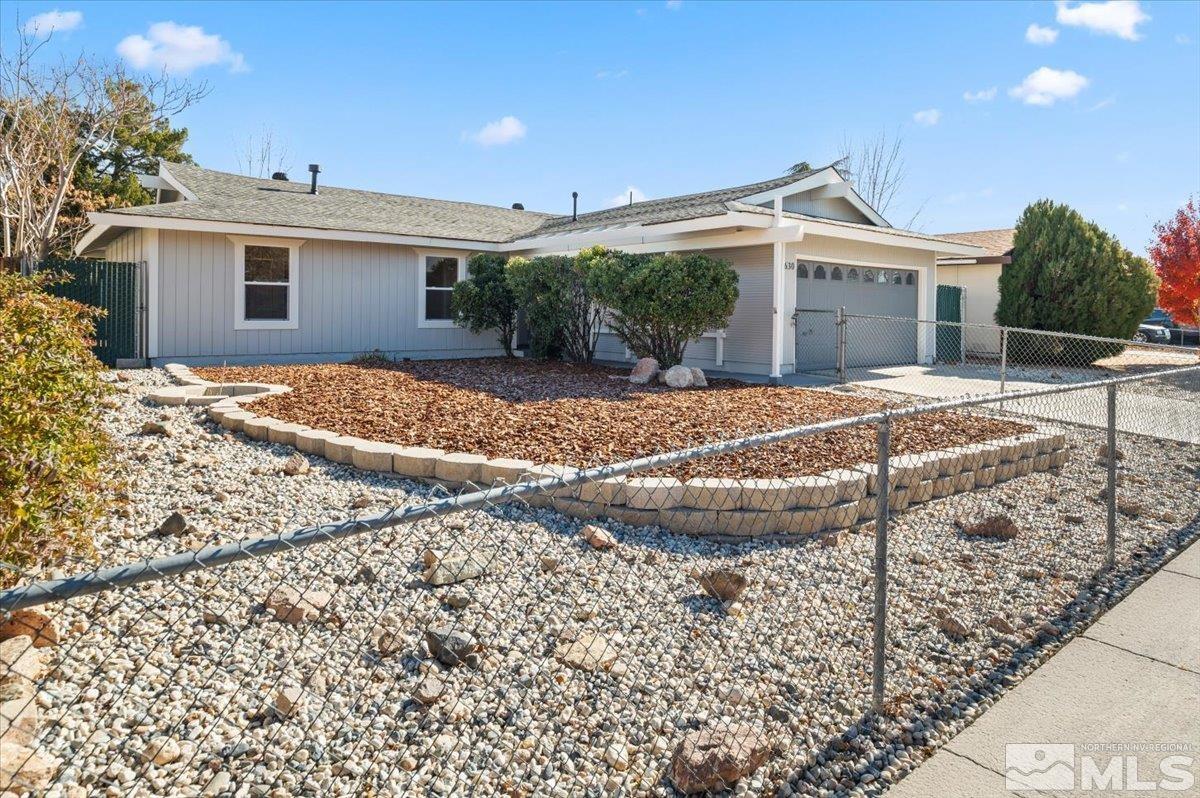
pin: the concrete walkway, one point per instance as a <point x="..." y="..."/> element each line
<point x="1133" y="677"/>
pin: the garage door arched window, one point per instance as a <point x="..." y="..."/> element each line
<point x="869" y="276"/>
<point x="836" y="274"/>
<point x="818" y="272"/>
<point x="852" y="275"/>
<point x="883" y="277"/>
<point x="802" y="270"/>
<point x="908" y="279"/>
<point x="897" y="280"/>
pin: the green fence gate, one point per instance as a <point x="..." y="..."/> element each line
<point x="949" y="338"/>
<point x="112" y="287"/>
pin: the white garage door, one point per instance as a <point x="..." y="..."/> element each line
<point x="821" y="288"/>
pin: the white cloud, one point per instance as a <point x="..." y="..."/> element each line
<point x="981" y="96"/>
<point x="674" y="5"/>
<point x="52" y="21"/>
<point x="1182" y="38"/>
<point x="1112" y="17"/>
<point x="1106" y="102"/>
<point x="1036" y="34"/>
<point x="179" y="48"/>
<point x="612" y="74"/>
<point x="1046" y="86"/>
<point x="623" y="198"/>
<point x="928" y="118"/>
<point x="505" y="130"/>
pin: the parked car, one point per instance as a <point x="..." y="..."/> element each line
<point x="1152" y="333"/>
<point x="1180" y="334"/>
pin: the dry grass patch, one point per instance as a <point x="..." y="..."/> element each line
<point x="581" y="415"/>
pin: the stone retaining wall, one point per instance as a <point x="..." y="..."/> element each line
<point x="784" y="508"/>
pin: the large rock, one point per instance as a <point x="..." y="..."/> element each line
<point x="679" y="377"/>
<point x="589" y="652"/>
<point x="21" y="660"/>
<point x="644" y="371"/>
<point x="450" y="570"/>
<point x="35" y="625"/>
<point x="722" y="583"/>
<point x="452" y="646"/>
<point x="174" y="524"/>
<point x="711" y="760"/>
<point x="598" y="537"/>
<point x="996" y="526"/>
<point x="291" y="606"/>
<point x="698" y="378"/>
<point x="23" y="770"/>
<point x="296" y="465"/>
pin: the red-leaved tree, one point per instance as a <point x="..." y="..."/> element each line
<point x="1176" y="256"/>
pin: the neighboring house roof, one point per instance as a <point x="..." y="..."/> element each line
<point x="996" y="242"/>
<point x="224" y="197"/>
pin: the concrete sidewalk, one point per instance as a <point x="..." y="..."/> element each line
<point x="1133" y="677"/>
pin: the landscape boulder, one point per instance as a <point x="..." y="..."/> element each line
<point x="678" y="377"/>
<point x="452" y="646"/>
<point x="37" y="626"/>
<point x="291" y="606"/>
<point x="598" y="537"/>
<point x="451" y="570"/>
<point x="589" y="652"/>
<point x="644" y="371"/>
<point x="722" y="583"/>
<point x="698" y="378"/>
<point x="711" y="760"/>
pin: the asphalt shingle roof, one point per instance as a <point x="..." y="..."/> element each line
<point x="224" y="197"/>
<point x="996" y="242"/>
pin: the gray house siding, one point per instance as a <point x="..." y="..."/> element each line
<point x="748" y="334"/>
<point x="353" y="298"/>
<point x="127" y="248"/>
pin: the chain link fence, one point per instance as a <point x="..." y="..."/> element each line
<point x="800" y="612"/>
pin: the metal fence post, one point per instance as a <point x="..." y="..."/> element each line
<point x="962" y="331"/>
<point x="1110" y="557"/>
<point x="883" y="438"/>
<point x="840" y="323"/>
<point x="1003" y="356"/>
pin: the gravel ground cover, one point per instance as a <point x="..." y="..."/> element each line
<point x="583" y="416"/>
<point x="245" y="703"/>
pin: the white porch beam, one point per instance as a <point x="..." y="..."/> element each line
<point x="779" y="253"/>
<point x="637" y="234"/>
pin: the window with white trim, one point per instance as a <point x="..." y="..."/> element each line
<point x="266" y="287"/>
<point x="437" y="275"/>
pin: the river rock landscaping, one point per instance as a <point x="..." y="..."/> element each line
<point x="501" y="651"/>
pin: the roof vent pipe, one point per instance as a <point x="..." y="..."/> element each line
<point x="316" y="170"/>
<point x="279" y="176"/>
<point x="518" y="206"/>
<point x="574" y="206"/>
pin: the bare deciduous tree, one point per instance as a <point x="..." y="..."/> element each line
<point x="263" y="156"/>
<point x="51" y="115"/>
<point x="876" y="167"/>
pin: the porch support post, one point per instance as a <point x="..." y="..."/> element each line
<point x="151" y="249"/>
<point x="780" y="249"/>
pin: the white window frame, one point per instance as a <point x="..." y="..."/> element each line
<point x="240" y="322"/>
<point x="422" y="254"/>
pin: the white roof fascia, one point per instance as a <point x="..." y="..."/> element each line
<point x="173" y="182"/>
<point x="97" y="230"/>
<point x="824" y="177"/>
<point x="282" y="231"/>
<point x="886" y="237"/>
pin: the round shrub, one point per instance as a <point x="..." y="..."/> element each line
<point x="485" y="301"/>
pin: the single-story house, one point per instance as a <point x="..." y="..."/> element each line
<point x="979" y="279"/>
<point x="243" y="270"/>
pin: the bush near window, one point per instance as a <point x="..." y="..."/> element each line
<point x="485" y="300"/>
<point x="537" y="284"/>
<point x="657" y="303"/>
<point x="53" y="444"/>
<point x="1069" y="275"/>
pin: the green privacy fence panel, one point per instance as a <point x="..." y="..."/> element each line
<point x="112" y="287"/>
<point x="949" y="339"/>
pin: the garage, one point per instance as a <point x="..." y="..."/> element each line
<point x="821" y="288"/>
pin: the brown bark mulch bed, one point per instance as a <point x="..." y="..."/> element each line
<point x="583" y="415"/>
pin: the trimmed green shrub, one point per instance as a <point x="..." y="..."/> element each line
<point x="1069" y="275"/>
<point x="657" y="303"/>
<point x="53" y="444"/>
<point x="538" y="285"/>
<point x="485" y="301"/>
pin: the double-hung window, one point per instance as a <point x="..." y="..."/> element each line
<point x="437" y="275"/>
<point x="267" y="283"/>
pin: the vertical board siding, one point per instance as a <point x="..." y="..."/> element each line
<point x="353" y="297"/>
<point x="824" y="208"/>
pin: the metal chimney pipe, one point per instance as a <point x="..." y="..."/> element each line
<point x="315" y="169"/>
<point x="574" y="206"/>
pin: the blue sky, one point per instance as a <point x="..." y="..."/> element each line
<point x="1096" y="104"/>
